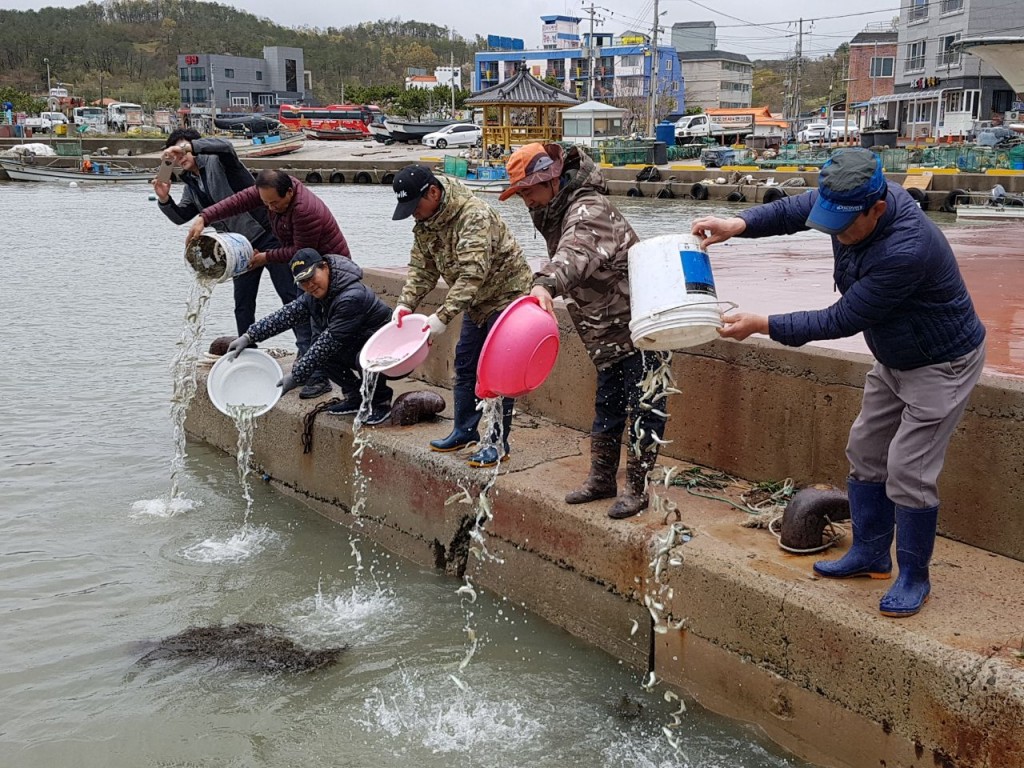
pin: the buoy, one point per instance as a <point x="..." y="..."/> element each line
<point x="314" y="177"/>
<point x="699" y="191"/>
<point x="152" y="197"/>
<point x="772" y="194"/>
<point x="73" y="184"/>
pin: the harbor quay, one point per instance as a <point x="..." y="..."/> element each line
<point x="368" y="162"/>
<point x="745" y="628"/>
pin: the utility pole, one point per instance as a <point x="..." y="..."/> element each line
<point x="592" y="12"/>
<point x="799" y="71"/>
<point x="654" y="74"/>
<point x="47" y="63"/>
<point x="451" y="80"/>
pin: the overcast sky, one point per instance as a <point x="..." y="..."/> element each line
<point x="760" y="30"/>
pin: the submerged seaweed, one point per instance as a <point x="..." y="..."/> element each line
<point x="260" y="647"/>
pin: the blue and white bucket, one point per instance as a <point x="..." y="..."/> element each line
<point x="672" y="295"/>
<point x="219" y="256"/>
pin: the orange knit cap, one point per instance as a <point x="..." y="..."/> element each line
<point x="532" y="164"/>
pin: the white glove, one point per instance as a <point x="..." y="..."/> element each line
<point x="400" y="311"/>
<point x="434" y="326"/>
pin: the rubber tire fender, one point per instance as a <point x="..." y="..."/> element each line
<point x="949" y="204"/>
<point x="634" y="192"/>
<point x="772" y="194"/>
<point x="387" y="178"/>
<point x="363" y="178"/>
<point x="337" y="177"/>
<point x="920" y="197"/>
<point x="736" y="197"/>
<point x="699" y="191"/>
<point x="314" y="177"/>
<point x="665" y="194"/>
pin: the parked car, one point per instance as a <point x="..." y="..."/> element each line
<point x="816" y="133"/>
<point x="455" y="135"/>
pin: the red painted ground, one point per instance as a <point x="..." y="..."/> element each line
<point x="784" y="274"/>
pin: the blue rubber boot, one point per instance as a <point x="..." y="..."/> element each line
<point x="488" y="456"/>
<point x="467" y="418"/>
<point x="873" y="517"/>
<point x="915" y="540"/>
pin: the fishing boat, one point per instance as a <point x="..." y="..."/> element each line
<point x="333" y="134"/>
<point x="271" y="145"/>
<point x="409" y="131"/>
<point x="481" y="178"/>
<point x="997" y="205"/>
<point x="379" y="132"/>
<point x="30" y="169"/>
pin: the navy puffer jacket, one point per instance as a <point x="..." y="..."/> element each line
<point x="901" y="287"/>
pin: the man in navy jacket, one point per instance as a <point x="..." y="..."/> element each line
<point x="901" y="287"/>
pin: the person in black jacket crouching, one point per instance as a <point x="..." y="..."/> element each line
<point x="344" y="313"/>
<point x="902" y="288"/>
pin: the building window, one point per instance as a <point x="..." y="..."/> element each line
<point x="199" y="95"/>
<point x="259" y="75"/>
<point x="241" y="101"/>
<point x="948" y="56"/>
<point x="915" y="57"/>
<point x="266" y="99"/>
<point x="183" y="74"/>
<point x="1002" y="101"/>
<point x="198" y="74"/>
<point x="882" y="66"/>
<point x="952" y="6"/>
<point x="185" y="93"/>
<point x="229" y="73"/>
<point x="918" y="11"/>
<point x="630" y="61"/>
<point x="573" y="127"/>
<point x="291" y="77"/>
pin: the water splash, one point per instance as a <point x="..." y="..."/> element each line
<point x="163" y="507"/>
<point x="358" y="612"/>
<point x="244" y="417"/>
<point x="183" y="372"/>
<point x="239" y="546"/>
<point x="360" y="441"/>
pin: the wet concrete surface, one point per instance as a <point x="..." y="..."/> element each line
<point x="785" y="274"/>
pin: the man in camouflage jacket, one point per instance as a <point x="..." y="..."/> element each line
<point x="462" y="239"/>
<point x="588" y="241"/>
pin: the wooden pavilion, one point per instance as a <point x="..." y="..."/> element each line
<point x="521" y="110"/>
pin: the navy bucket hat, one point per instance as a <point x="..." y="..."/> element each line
<point x="849" y="183"/>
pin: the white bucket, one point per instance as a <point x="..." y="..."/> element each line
<point x="672" y="296"/>
<point x="219" y="256"/>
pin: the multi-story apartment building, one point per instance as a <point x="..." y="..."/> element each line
<point x="623" y="66"/>
<point x="715" y="79"/>
<point x="940" y="91"/>
<point x="212" y="83"/>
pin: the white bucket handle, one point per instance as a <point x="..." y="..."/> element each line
<point x="729" y="306"/>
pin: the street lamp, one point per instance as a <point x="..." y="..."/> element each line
<point x="47" y="63"/>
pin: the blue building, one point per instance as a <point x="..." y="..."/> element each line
<point x="622" y="65"/>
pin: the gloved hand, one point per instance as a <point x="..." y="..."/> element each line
<point x="235" y="347"/>
<point x="286" y="383"/>
<point x="434" y="326"/>
<point x="400" y="312"/>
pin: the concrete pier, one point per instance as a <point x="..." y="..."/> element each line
<point x="810" y="661"/>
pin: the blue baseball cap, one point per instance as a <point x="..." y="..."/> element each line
<point x="304" y="263"/>
<point x="849" y="183"/>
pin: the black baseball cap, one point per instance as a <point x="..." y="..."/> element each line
<point x="411" y="183"/>
<point x="304" y="263"/>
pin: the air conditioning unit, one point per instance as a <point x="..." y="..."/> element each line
<point x="1013" y="114"/>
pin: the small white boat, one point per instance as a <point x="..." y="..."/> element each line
<point x="101" y="173"/>
<point x="997" y="205"/>
<point x="484" y="185"/>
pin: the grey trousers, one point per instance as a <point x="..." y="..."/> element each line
<point x="905" y="424"/>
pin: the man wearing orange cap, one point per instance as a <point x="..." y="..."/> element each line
<point x="588" y="241"/>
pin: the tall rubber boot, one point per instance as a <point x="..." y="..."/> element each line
<point x="464" y="430"/>
<point x="872" y="516"/>
<point x="915" y="541"/>
<point x="634" y="499"/>
<point x="604" y="464"/>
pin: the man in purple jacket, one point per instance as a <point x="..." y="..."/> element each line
<point x="298" y="218"/>
<point x="902" y="288"/>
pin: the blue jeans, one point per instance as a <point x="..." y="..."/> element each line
<point x="618" y="396"/>
<point x="467" y="355"/>
<point x="247" y="285"/>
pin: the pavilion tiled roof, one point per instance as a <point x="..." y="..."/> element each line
<point x="523" y="89"/>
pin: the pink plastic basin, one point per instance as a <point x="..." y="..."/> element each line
<point x="519" y="352"/>
<point x="395" y="351"/>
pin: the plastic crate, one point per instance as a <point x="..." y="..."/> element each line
<point x="68" y="148"/>
<point x="456" y="166"/>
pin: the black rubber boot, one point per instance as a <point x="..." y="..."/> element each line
<point x="915" y="540"/>
<point x="634" y="499"/>
<point x="488" y="455"/>
<point x="604" y="464"/>
<point x="318" y="384"/>
<point x="467" y="418"/>
<point x="872" y="516"/>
